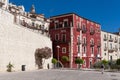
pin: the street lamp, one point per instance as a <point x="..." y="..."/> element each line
<point x="58" y="54"/>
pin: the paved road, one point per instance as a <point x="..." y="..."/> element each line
<point x="59" y="75"/>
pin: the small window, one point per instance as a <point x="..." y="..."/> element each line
<point x="33" y="23"/>
<point x="64" y="50"/>
<point x="110" y="37"/>
<point x="56" y="25"/>
<point x="105" y="54"/>
<point x="92" y="50"/>
<point x="56" y="36"/>
<point x="78" y="48"/>
<point x="105" y="36"/>
<point x="60" y="25"/>
<point x="84" y="49"/>
<point x="91" y="29"/>
<point x="84" y="40"/>
<point x="83" y="27"/>
<point x="64" y="37"/>
<point x="78" y="25"/>
<point x="65" y="23"/>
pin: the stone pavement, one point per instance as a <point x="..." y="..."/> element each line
<point x="58" y="74"/>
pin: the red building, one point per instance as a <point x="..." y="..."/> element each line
<point x="75" y="36"/>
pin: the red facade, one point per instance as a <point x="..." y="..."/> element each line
<point x="76" y="37"/>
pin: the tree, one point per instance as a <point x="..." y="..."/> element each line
<point x="54" y="61"/>
<point x="41" y="53"/>
<point x="104" y="62"/>
<point x="65" y="59"/>
<point x="79" y="61"/>
<point x="118" y="64"/>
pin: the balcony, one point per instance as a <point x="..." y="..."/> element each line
<point x="99" y="45"/>
<point x="79" y="42"/>
<point x="78" y="29"/>
<point x="111" y="40"/>
<point x="116" y="41"/>
<point x="84" y="44"/>
<point x="116" y="49"/>
<point x="111" y="50"/>
<point x="92" y="32"/>
<point x="105" y="39"/>
<point x="92" y="44"/>
<point x="105" y="49"/>
<point x="84" y="30"/>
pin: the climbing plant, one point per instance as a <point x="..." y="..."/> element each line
<point x="40" y="54"/>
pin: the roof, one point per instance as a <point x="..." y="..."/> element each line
<point x="75" y="14"/>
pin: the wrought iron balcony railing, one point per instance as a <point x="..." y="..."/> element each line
<point x="92" y="44"/>
<point x="111" y="39"/>
<point x="79" y="42"/>
<point x="116" y="41"/>
<point x="105" y="38"/>
<point x="84" y="44"/>
<point x="84" y="30"/>
<point x="92" y="32"/>
<point x="111" y="50"/>
<point x="105" y="49"/>
<point x="78" y="29"/>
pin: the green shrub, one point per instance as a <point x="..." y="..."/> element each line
<point x="65" y="58"/>
<point x="54" y="61"/>
<point x="9" y="67"/>
<point x="79" y="61"/>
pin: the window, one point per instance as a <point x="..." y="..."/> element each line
<point x="92" y="50"/>
<point x="65" y="23"/>
<point x="78" y="39"/>
<point x="105" y="45"/>
<point x="110" y="46"/>
<point x="84" y="49"/>
<point x="110" y="37"/>
<point x="115" y="38"/>
<point x="78" y="48"/>
<point x="105" y="36"/>
<point x="39" y="26"/>
<point x="111" y="58"/>
<point x="98" y="50"/>
<point x="91" y="29"/>
<point x="105" y="54"/>
<point x="60" y="25"/>
<point x="33" y="23"/>
<point x="83" y="27"/>
<point x="78" y="25"/>
<point x="84" y="40"/>
<point x="64" y="50"/>
<point x="92" y="41"/>
<point x="64" y="37"/>
<point x="56" y="36"/>
<point x="56" y="25"/>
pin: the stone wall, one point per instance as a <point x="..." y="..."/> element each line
<point x="18" y="44"/>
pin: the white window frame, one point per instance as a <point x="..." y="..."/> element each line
<point x="57" y="23"/>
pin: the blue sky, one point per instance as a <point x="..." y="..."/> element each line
<point x="105" y="12"/>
